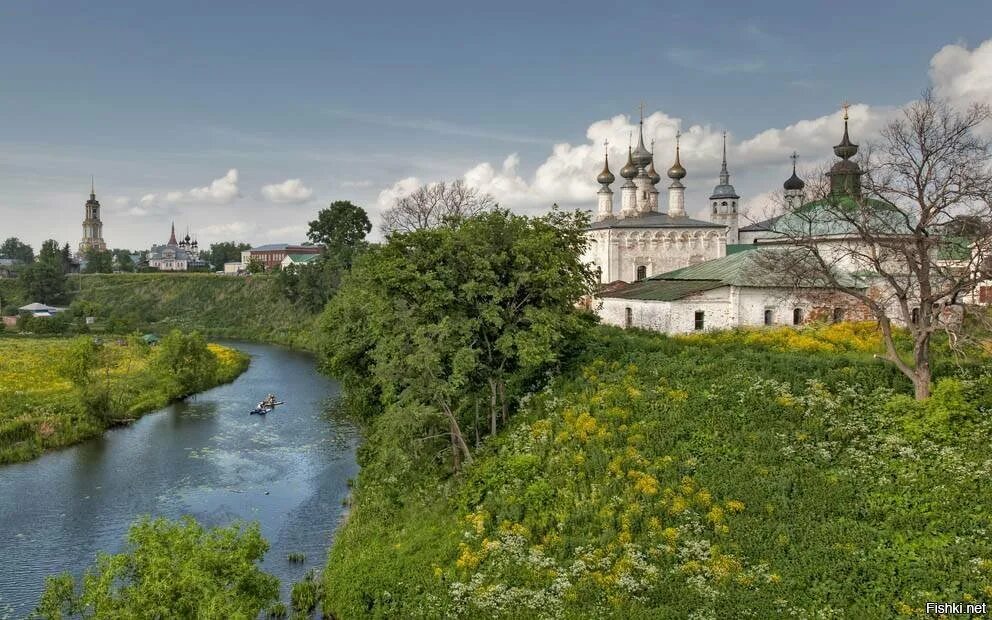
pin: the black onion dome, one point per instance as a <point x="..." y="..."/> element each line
<point x="846" y="149"/>
<point x="629" y="171"/>
<point x="794" y="182"/>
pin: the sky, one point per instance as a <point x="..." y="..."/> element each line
<point x="240" y="120"/>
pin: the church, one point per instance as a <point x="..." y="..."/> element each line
<point x="640" y="240"/>
<point x="92" y="226"/>
<point x="672" y="273"/>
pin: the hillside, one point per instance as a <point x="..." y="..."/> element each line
<point x="733" y="475"/>
<point x="219" y="306"/>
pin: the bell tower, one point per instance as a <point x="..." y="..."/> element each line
<point x="92" y="225"/>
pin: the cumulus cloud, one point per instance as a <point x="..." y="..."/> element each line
<point x="961" y="74"/>
<point x="229" y="230"/>
<point x="290" y="191"/>
<point x="399" y="189"/>
<point x="222" y="191"/>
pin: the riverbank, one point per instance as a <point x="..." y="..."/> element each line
<point x="42" y="408"/>
<point x="659" y="476"/>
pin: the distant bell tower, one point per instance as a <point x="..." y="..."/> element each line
<point x="92" y="226"/>
<point x="724" y="201"/>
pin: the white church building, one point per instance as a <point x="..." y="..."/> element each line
<point x="672" y="273"/>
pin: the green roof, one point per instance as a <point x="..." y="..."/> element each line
<point x="734" y="248"/>
<point x="755" y="269"/>
<point x="664" y="290"/>
<point x="820" y="218"/>
<point x="954" y="248"/>
<point x="302" y="258"/>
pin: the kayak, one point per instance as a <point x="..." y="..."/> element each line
<point x="265" y="409"/>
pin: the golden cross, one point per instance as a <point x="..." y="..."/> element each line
<point x="845" y="105"/>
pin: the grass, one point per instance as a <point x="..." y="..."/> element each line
<point x="249" y="308"/>
<point x="690" y="477"/>
<point x="40" y="410"/>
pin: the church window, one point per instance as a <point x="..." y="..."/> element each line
<point x="628" y="319"/>
<point x="700" y="320"/>
<point x="915" y="316"/>
<point x="797" y="316"/>
<point x="642" y="272"/>
<point x="724" y="203"/>
<point x="769" y="316"/>
<point x="734" y="205"/>
<point x="599" y="273"/>
<point x="838" y="315"/>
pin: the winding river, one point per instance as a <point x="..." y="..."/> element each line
<point x="204" y="457"/>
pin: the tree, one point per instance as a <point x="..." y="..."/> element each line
<point x="14" y="248"/>
<point x="122" y="260"/>
<point x="255" y="266"/>
<point x="458" y="317"/>
<point x="341" y="229"/>
<point x="225" y="252"/>
<point x="430" y="205"/>
<point x="170" y="569"/>
<point x="186" y="361"/>
<point x="916" y="215"/>
<point x="44" y="280"/>
<point x="99" y="261"/>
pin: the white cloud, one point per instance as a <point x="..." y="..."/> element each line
<point x="229" y="230"/>
<point x="399" y="189"/>
<point x="290" y="191"/>
<point x="295" y="233"/>
<point x="962" y="75"/>
<point x="222" y="191"/>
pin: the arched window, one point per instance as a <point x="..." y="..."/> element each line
<point x="769" y="316"/>
<point x="915" y="316"/>
<point x="724" y="203"/>
<point x="734" y="205"/>
<point x="797" y="316"/>
<point x="838" y="315"/>
<point x="714" y="208"/>
<point x="628" y="318"/>
<point x="642" y="272"/>
<point x="699" y="320"/>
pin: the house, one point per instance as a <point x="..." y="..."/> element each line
<point x="234" y="268"/>
<point x="734" y="291"/>
<point x="40" y="310"/>
<point x="273" y="254"/>
<point x="298" y="259"/>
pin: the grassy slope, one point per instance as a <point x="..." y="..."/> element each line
<point x="41" y="411"/>
<point x="249" y="308"/>
<point x="711" y="475"/>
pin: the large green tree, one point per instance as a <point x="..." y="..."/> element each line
<point x="14" y="248"/>
<point x="341" y="228"/>
<point x="99" y="261"/>
<point x="458" y="318"/>
<point x="225" y="252"/>
<point x="170" y="569"/>
<point x="185" y="360"/>
<point x="45" y="279"/>
<point x="122" y="260"/>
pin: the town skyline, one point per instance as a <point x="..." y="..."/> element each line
<point x="247" y="160"/>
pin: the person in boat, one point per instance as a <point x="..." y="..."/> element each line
<point x="270" y="401"/>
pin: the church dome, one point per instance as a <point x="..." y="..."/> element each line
<point x="606" y="177"/>
<point x="653" y="174"/>
<point x="676" y="171"/>
<point x="629" y="171"/>
<point x="794" y="182"/>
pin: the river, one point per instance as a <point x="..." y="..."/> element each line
<point x="204" y="457"/>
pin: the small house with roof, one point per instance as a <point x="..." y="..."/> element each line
<point x="299" y="260"/>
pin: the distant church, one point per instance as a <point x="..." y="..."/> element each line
<point x="92" y="226"/>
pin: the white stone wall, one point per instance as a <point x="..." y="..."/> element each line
<point x="726" y="307"/>
<point x="618" y="252"/>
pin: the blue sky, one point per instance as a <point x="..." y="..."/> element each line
<point x="159" y="100"/>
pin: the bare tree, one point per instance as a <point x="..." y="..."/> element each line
<point x="432" y="204"/>
<point x="912" y="218"/>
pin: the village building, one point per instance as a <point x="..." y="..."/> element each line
<point x="273" y="254"/>
<point x="301" y="260"/>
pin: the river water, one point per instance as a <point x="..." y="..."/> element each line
<point x="204" y="457"/>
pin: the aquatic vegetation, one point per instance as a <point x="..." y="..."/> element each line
<point x="690" y="477"/>
<point x="307" y="594"/>
<point x="296" y="557"/>
<point x="57" y="391"/>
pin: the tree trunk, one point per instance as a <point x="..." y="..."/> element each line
<point x="922" y="374"/>
<point x="492" y="406"/>
<point x="456" y="453"/>
<point x="458" y="445"/>
<point x="504" y="407"/>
